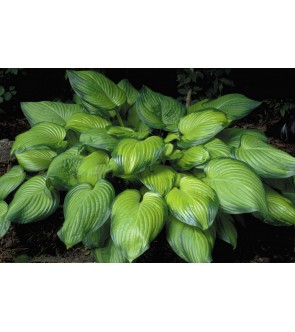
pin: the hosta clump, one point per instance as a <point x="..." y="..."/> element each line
<point x="132" y="163"/>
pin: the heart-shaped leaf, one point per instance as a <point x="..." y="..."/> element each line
<point x="265" y="159"/>
<point x="99" y="138"/>
<point x="238" y="188"/>
<point x="232" y="136"/>
<point x="133" y="156"/>
<point x="226" y="230"/>
<point x="193" y="202"/>
<point x="200" y="127"/>
<point x="96" y="89"/>
<point x="158" y="111"/>
<point x="11" y="180"/>
<point x="86" y="209"/>
<point x="35" y="160"/>
<point x="4" y="223"/>
<point x="109" y="254"/>
<point x="49" y="111"/>
<point x="192" y="157"/>
<point x="189" y="242"/>
<point x="33" y="201"/>
<point x="136" y="221"/>
<point x="82" y="122"/>
<point x="159" y="178"/>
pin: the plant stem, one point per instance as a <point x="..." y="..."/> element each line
<point x="119" y="117"/>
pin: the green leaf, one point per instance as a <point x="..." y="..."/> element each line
<point x="265" y="159"/>
<point x="94" y="167"/>
<point x="134" y="121"/>
<point x="11" y="180"/>
<point x="99" y="138"/>
<point x="197" y="106"/>
<point x="86" y="209"/>
<point x="158" y="111"/>
<point x="42" y="135"/>
<point x="133" y="156"/>
<point x="217" y="148"/>
<point x="96" y="89"/>
<point x="33" y="201"/>
<point x="4" y="223"/>
<point x="189" y="242"/>
<point x="49" y="111"/>
<point x="136" y="221"/>
<point x="130" y="92"/>
<point x="99" y="237"/>
<point x="160" y="179"/>
<point x="235" y="106"/>
<point x="283" y="185"/>
<point x="35" y="160"/>
<point x="123" y="132"/>
<point x="238" y="188"/>
<point x="193" y="203"/>
<point x="226" y="230"/>
<point x="192" y="157"/>
<point x="82" y="122"/>
<point x="232" y="136"/>
<point x="109" y="254"/>
<point x="200" y="127"/>
<point x="2" y="90"/>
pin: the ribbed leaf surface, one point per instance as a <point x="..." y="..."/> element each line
<point x="109" y="254"/>
<point x="96" y="89"/>
<point x="43" y="134"/>
<point x="193" y="203"/>
<point x="238" y="188"/>
<point x="135" y="222"/>
<point x="217" y="148"/>
<point x="130" y="92"/>
<point x="192" y="157"/>
<point x="235" y="106"/>
<point x="265" y="159"/>
<point x="200" y="127"/>
<point x="99" y="138"/>
<point x="189" y="242"/>
<point x="33" y="201"/>
<point x="35" y="160"/>
<point x="133" y="121"/>
<point x="82" y="122"/>
<point x="86" y="209"/>
<point x="4" y="223"/>
<point x="232" y="136"/>
<point x="160" y="179"/>
<point x="226" y="230"/>
<point x="123" y="132"/>
<point x="133" y="156"/>
<point x="158" y="111"/>
<point x="48" y="111"/>
<point x="11" y="180"/>
<point x="197" y="106"/>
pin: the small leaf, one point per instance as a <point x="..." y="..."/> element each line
<point x="192" y="157"/>
<point x="226" y="230"/>
<point x="99" y="138"/>
<point x="86" y="209"/>
<point x="135" y="223"/>
<point x="11" y="180"/>
<point x="189" y="242"/>
<point x="49" y="111"/>
<point x="33" y="201"/>
<point x="193" y="203"/>
<point x="35" y="160"/>
<point x="109" y="254"/>
<point x="4" y="223"/>
<point x="82" y="122"/>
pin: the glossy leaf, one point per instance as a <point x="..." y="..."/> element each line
<point x="217" y="148"/>
<point x="193" y="202"/>
<point x="192" y="157"/>
<point x="33" y="201"/>
<point x="136" y="221"/>
<point x="238" y="188"/>
<point x="200" y="127"/>
<point x="133" y="156"/>
<point x="265" y="159"/>
<point x="159" y="178"/>
<point x="197" y="106"/>
<point x="99" y="138"/>
<point x="11" y="180"/>
<point x="109" y="254"/>
<point x="226" y="230"/>
<point x="232" y="136"/>
<point x="96" y="89"/>
<point x="123" y="132"/>
<point x="130" y="92"/>
<point x="86" y="209"/>
<point x="133" y="121"/>
<point x="235" y="106"/>
<point x="35" y="160"/>
<point x="82" y="122"/>
<point x="49" y="111"/>
<point x="189" y="242"/>
<point x="4" y="223"/>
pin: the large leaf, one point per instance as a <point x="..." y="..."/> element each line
<point x="86" y="209"/>
<point x="130" y="92"/>
<point x="33" y="201"/>
<point x="159" y="178"/>
<point x="35" y="160"/>
<point x="109" y="254"/>
<point x="11" y="180"/>
<point x="238" y="188"/>
<point x="193" y="202"/>
<point x="123" y="132"/>
<point x="265" y="159"/>
<point x="96" y="89"/>
<point x="158" y="111"/>
<point x="226" y="230"/>
<point x="4" y="223"/>
<point x="136" y="221"/>
<point x="189" y="242"/>
<point x="235" y="106"/>
<point x="217" y="148"/>
<point x="200" y="127"/>
<point x="99" y="138"/>
<point x="192" y="157"/>
<point x="82" y="122"/>
<point x="133" y="121"/>
<point x="42" y="135"/>
<point x="49" y="111"/>
<point x="133" y="156"/>
<point x="99" y="237"/>
<point x="197" y="106"/>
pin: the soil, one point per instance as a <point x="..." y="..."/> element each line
<point x="38" y="242"/>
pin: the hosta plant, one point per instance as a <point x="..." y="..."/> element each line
<point x="125" y="164"/>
